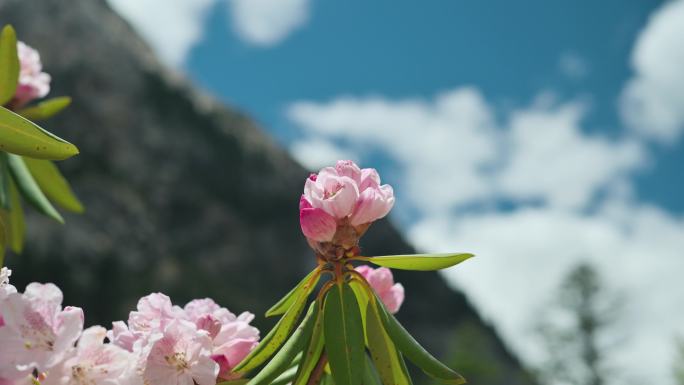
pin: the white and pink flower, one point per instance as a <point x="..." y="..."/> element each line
<point x="344" y="194"/>
<point x="382" y="281"/>
<point x="33" y="82"/>
<point x="37" y="333"/>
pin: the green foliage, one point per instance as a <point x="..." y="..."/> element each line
<point x="420" y="262"/>
<point x="46" y="109"/>
<point x="352" y="339"/>
<point x="26" y="151"/>
<point x="9" y="64"/>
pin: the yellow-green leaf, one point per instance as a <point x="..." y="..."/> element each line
<point x="275" y="338"/>
<point x="312" y="352"/>
<point x="45" y="109"/>
<point x="17" y="226"/>
<point x="19" y="135"/>
<point x="281" y="361"/>
<point x="415" y="352"/>
<point x="421" y="262"/>
<point x="53" y="184"/>
<point x="29" y="188"/>
<point x="343" y="335"/>
<point x="9" y="64"/>
<point x="284" y="303"/>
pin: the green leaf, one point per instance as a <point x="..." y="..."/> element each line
<point x="343" y="334"/>
<point x="3" y="238"/>
<point x="281" y="306"/>
<point x="4" y="182"/>
<point x="361" y="297"/>
<point x="19" y="135"/>
<point x="326" y="379"/>
<point x="53" y="184"/>
<point x="416" y="353"/>
<point x="241" y="381"/>
<point x="370" y="376"/>
<point x="275" y="338"/>
<point x="421" y="262"/>
<point x="17" y="226"/>
<point x="383" y="352"/>
<point x="9" y="64"/>
<point x="29" y="188"/>
<point x="312" y="352"/>
<point x="287" y="377"/>
<point x="45" y="109"/>
<point x="281" y="361"/>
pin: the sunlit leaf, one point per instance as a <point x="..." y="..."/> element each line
<point x="383" y="352"/>
<point x="281" y="306"/>
<point x="275" y="338"/>
<point x="286" y="378"/>
<point x="370" y="376"/>
<point x="281" y="361"/>
<point x="9" y="64"/>
<point x="17" y="226"/>
<point x="312" y="353"/>
<point x="45" y="109"/>
<point x="29" y="188"/>
<point x="53" y="184"/>
<point x="416" y="353"/>
<point x="343" y="334"/>
<point x="422" y="262"/>
<point x="19" y="135"/>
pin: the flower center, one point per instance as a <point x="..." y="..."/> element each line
<point x="178" y="360"/>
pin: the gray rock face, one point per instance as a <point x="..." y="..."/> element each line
<point x="188" y="197"/>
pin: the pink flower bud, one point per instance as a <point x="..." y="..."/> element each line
<point x="342" y="195"/>
<point x="33" y="82"/>
<point x="382" y="281"/>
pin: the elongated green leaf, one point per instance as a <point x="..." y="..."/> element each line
<point x="275" y="338"/>
<point x="23" y="137"/>
<point x="9" y="64"/>
<point x="361" y="297"/>
<point x="343" y="334"/>
<point x="17" y="226"/>
<point x="3" y="238"/>
<point x="241" y="381"/>
<point x="46" y="109"/>
<point x="416" y="353"/>
<point x="281" y="306"/>
<point x="29" y="188"/>
<point x="370" y="376"/>
<point x="287" y="377"/>
<point x="327" y="379"/>
<point x="312" y="352"/>
<point x="383" y="352"/>
<point x="281" y="361"/>
<point x="421" y="262"/>
<point x="53" y="184"/>
<point x="4" y="182"/>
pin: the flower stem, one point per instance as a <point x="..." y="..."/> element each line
<point x="317" y="373"/>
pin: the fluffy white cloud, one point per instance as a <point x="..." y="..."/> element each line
<point x="653" y="101"/>
<point x="171" y="28"/>
<point x="267" y="22"/>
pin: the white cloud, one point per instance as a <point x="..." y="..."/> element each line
<point x="455" y="153"/>
<point x="171" y="28"/>
<point x="653" y="101"/>
<point x="316" y="153"/>
<point x="267" y="22"/>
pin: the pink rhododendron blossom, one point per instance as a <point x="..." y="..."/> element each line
<point x="5" y="287"/>
<point x="341" y="195"/>
<point x="33" y="82"/>
<point x="182" y="356"/>
<point x="382" y="281"/>
<point x="152" y="313"/>
<point x="93" y="362"/>
<point x="36" y="333"/>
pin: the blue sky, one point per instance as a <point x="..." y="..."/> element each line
<point x="535" y="134"/>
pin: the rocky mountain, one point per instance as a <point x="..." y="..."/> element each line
<point x="189" y="197"/>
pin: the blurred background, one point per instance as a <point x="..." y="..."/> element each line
<point x="545" y="137"/>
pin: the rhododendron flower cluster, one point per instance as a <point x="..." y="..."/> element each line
<point x="382" y="281"/>
<point x="161" y="344"/>
<point x="339" y="203"/>
<point x="33" y="82"/>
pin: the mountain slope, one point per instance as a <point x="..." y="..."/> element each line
<point x="189" y="197"/>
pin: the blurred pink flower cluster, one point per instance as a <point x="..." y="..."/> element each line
<point x="382" y="281"/>
<point x="161" y="344"/>
<point x="340" y="196"/>
<point x="33" y="82"/>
